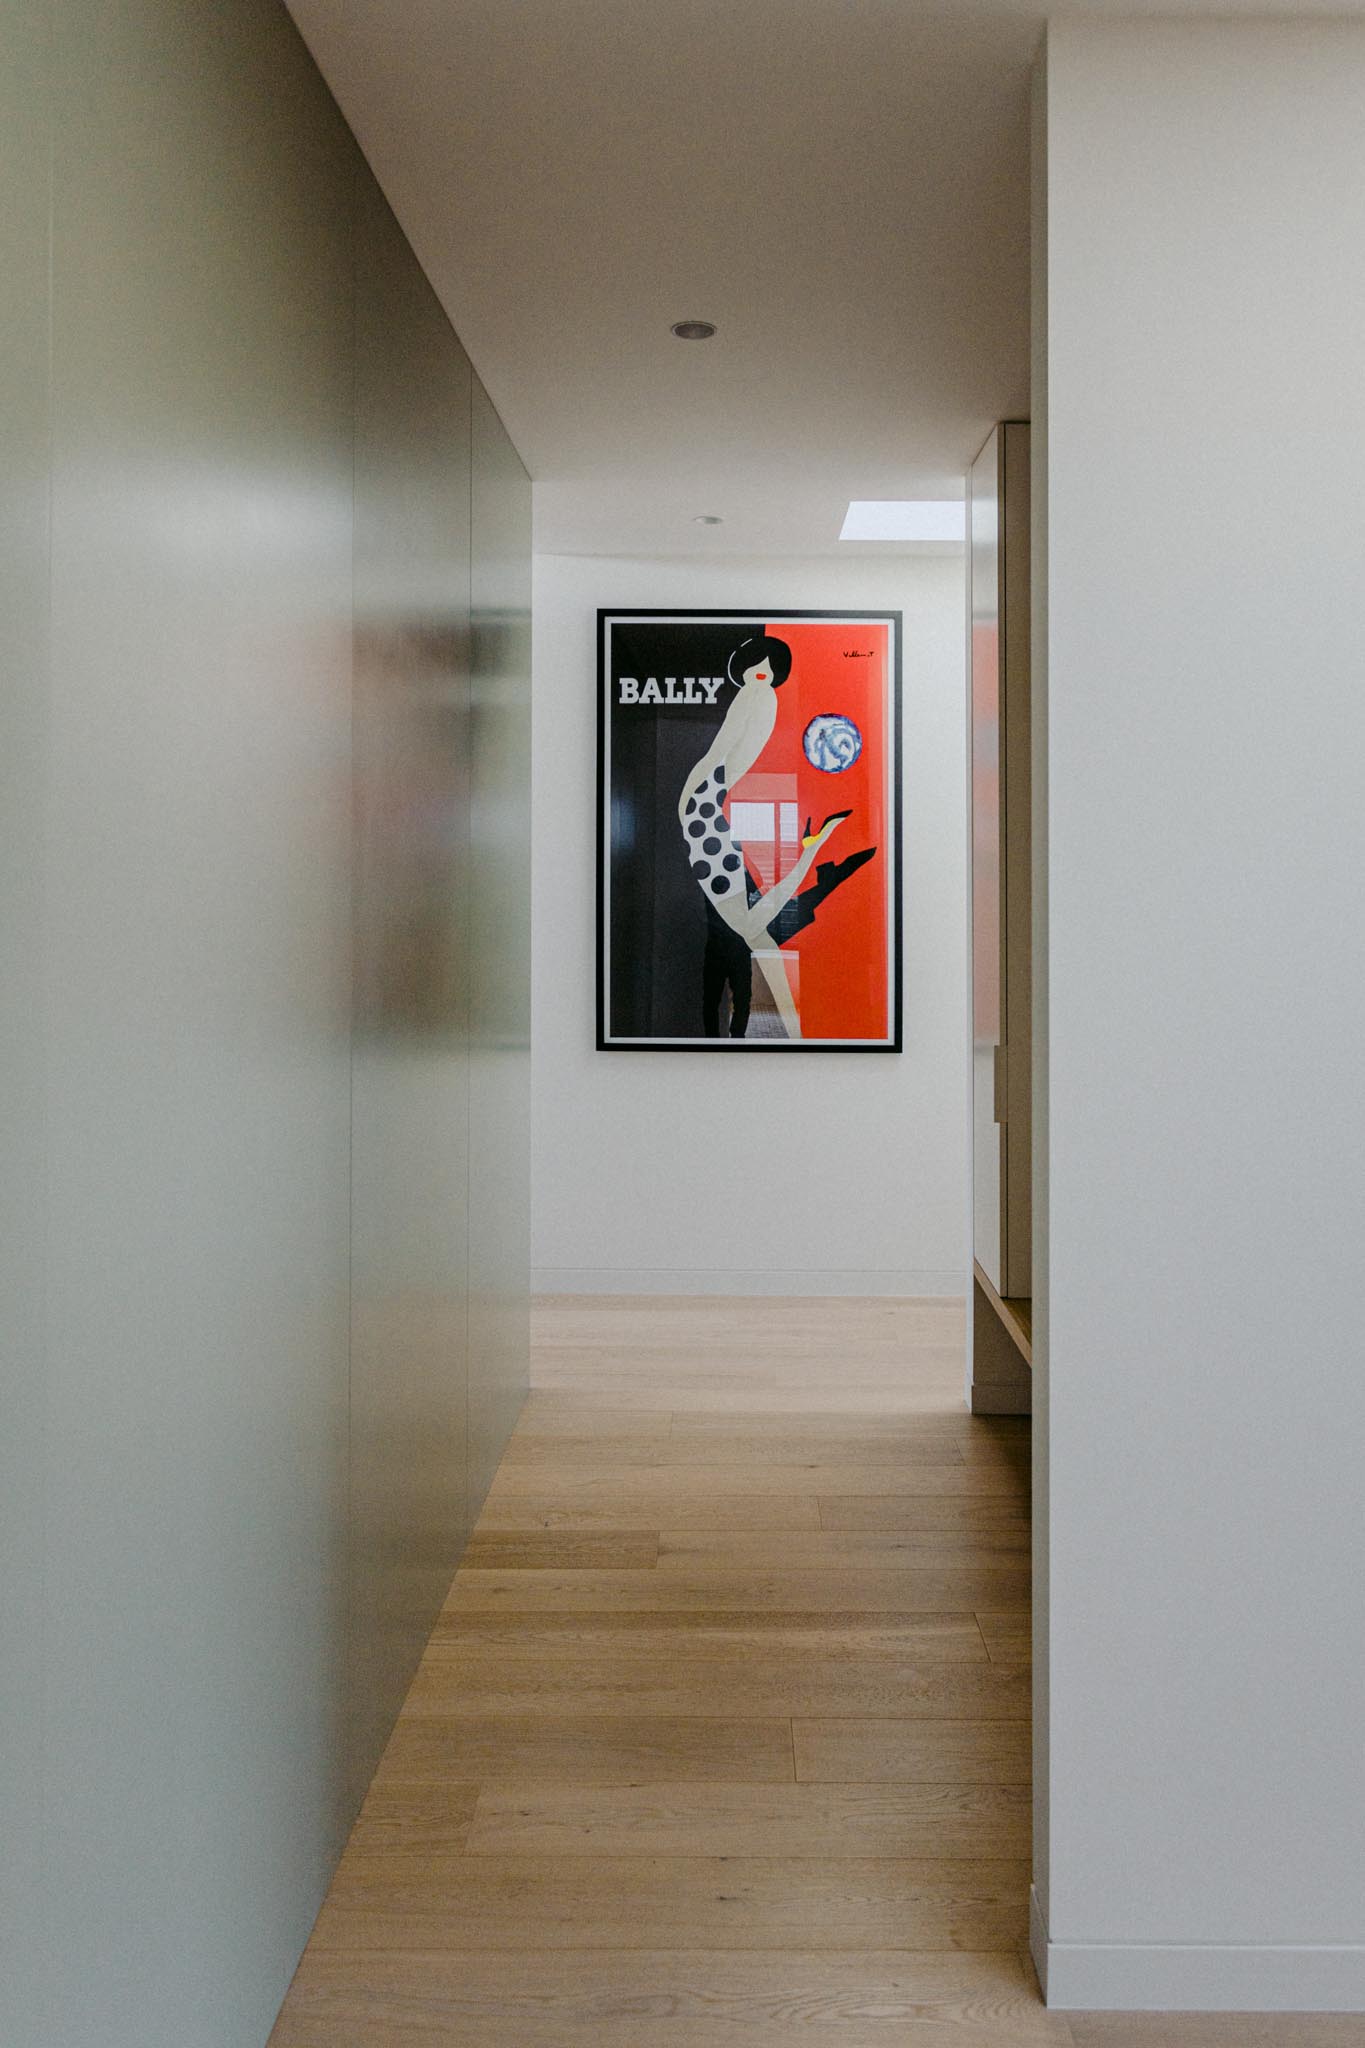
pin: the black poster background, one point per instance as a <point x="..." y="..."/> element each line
<point x="657" y="913"/>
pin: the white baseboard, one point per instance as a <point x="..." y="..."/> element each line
<point x="1136" y="1977"/>
<point x="911" y="1281"/>
<point x="1086" y="1978"/>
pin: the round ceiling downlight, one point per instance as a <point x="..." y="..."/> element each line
<point x="707" y="519"/>
<point x="693" y="330"/>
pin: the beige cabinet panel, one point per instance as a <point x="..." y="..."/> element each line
<point x="1001" y="799"/>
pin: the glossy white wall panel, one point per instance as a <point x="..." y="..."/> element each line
<point x="197" y="1015"/>
<point x="24" y="428"/>
<point x="198" y="314"/>
<point x="410" y="1159"/>
<point x="500" y="946"/>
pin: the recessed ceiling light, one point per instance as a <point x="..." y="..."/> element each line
<point x="692" y="330"/>
<point x="905" y="519"/>
<point x="707" y="519"/>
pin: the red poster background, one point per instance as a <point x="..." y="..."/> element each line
<point x="840" y="983"/>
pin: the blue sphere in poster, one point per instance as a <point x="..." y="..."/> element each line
<point x="832" y="742"/>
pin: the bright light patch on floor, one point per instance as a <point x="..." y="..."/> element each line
<point x="904" y="519"/>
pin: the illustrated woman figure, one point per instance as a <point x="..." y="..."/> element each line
<point x="738" y="929"/>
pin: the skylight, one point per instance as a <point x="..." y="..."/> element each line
<point x="904" y="519"/>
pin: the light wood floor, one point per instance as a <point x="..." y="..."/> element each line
<point x="722" y="1738"/>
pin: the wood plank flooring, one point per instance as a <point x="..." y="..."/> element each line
<point x="722" y="1738"/>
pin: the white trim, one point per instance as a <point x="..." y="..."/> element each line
<point x="1084" y="1976"/>
<point x="912" y="1283"/>
<point x="1140" y="1977"/>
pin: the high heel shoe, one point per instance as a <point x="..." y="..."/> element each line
<point x="834" y="818"/>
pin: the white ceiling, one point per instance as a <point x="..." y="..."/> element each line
<point x="840" y="185"/>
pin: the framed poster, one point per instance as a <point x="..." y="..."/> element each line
<point x="749" y="831"/>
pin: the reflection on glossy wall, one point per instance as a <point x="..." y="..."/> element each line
<point x="500" y="944"/>
<point x="410" y="1077"/>
<point x="262" y="961"/>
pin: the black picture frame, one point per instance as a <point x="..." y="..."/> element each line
<point x="608" y="828"/>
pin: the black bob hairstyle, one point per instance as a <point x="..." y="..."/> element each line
<point x="762" y="647"/>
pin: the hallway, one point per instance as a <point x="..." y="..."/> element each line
<point x="542" y="534"/>
<point x="722" y="1736"/>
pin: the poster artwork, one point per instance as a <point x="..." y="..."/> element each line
<point x="749" y="878"/>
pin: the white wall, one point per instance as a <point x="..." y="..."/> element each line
<point x="688" y="1173"/>
<point x="1205" y="301"/>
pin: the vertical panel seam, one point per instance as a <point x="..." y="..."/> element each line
<point x="470" y="929"/>
<point x="46" y="1986"/>
<point x="349" y="1643"/>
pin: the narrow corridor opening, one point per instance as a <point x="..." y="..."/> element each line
<point x="725" y="1723"/>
